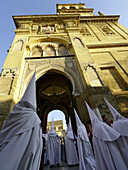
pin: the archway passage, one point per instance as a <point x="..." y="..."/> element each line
<point x="54" y="92"/>
<point x="60" y="125"/>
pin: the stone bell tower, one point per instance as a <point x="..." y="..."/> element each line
<point x="77" y="56"/>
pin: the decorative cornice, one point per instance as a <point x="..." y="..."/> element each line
<point x="107" y="45"/>
<point x="29" y="19"/>
<point x="99" y="18"/>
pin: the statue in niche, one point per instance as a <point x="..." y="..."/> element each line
<point x="93" y="77"/>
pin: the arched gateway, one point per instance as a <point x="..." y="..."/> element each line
<point x="77" y="56"/>
<point x="57" y="87"/>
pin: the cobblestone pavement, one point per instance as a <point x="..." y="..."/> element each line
<point x="63" y="166"/>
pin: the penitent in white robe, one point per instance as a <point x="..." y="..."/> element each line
<point x="71" y="152"/>
<point x="86" y="157"/>
<point x="21" y="135"/>
<point x="120" y="124"/>
<point x="53" y="147"/>
<point x="106" y="145"/>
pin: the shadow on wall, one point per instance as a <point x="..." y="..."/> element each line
<point x="5" y="107"/>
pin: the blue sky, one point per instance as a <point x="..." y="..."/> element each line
<point x="8" y="8"/>
<point x="57" y="115"/>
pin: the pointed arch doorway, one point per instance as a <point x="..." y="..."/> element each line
<point x="54" y="92"/>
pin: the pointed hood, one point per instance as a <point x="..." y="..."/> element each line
<point x="23" y="117"/>
<point x="69" y="130"/>
<point x="52" y="132"/>
<point x="69" y="125"/>
<point x="120" y="123"/>
<point x="81" y="130"/>
<point x="101" y="130"/>
<point x="115" y="114"/>
<point x="78" y="121"/>
<point x="52" y="127"/>
<point x="30" y="92"/>
<point x="92" y="115"/>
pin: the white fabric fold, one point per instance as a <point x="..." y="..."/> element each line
<point x="106" y="143"/>
<point x="86" y="158"/>
<point x="106" y="133"/>
<point x="21" y="135"/>
<point x="121" y="126"/>
<point x="53" y="146"/>
<point x="71" y="152"/>
<point x="120" y="123"/>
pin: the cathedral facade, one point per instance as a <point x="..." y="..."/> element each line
<point x="78" y="57"/>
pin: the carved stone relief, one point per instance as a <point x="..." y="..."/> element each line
<point x="48" y="29"/>
<point x="65" y="66"/>
<point x="9" y="72"/>
<point x="31" y="67"/>
<point x="84" y="31"/>
<point x="106" y="30"/>
<point x="70" y="24"/>
<point x="60" y="28"/>
<point x="7" y="78"/>
<point x="22" y="26"/>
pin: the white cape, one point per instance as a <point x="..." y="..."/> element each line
<point x="71" y="152"/>
<point x="53" y="147"/>
<point x="105" y="143"/>
<point x="21" y="137"/>
<point x="120" y="124"/>
<point x="86" y="158"/>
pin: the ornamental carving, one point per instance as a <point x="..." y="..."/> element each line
<point x="9" y="72"/>
<point x="48" y="29"/>
<point x="106" y="30"/>
<point x="60" y="28"/>
<point x="23" y="26"/>
<point x="70" y="24"/>
<point x="85" y="31"/>
<point x="7" y="85"/>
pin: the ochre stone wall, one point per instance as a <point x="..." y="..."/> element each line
<point x="91" y="51"/>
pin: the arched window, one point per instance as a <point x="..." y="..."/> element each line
<point x="50" y="51"/>
<point x="18" y="46"/>
<point x="63" y="50"/>
<point x="37" y="52"/>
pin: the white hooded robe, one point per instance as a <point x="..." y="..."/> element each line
<point x="53" y="147"/>
<point x="71" y="152"/>
<point x="21" y="135"/>
<point x="86" y="158"/>
<point x="105" y="143"/>
<point x="120" y="124"/>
